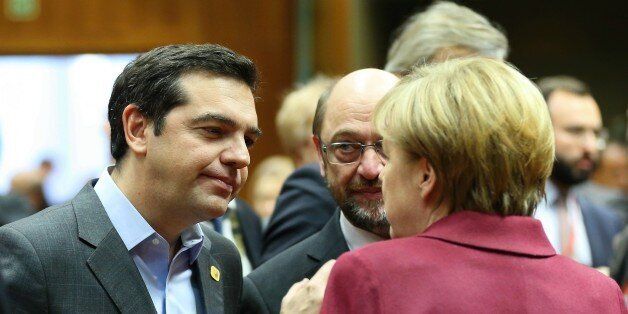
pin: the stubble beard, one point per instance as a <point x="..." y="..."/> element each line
<point x="369" y="215"/>
<point x="566" y="173"/>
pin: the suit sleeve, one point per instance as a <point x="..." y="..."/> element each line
<point x="22" y="273"/>
<point x="252" y="301"/>
<point x="352" y="288"/>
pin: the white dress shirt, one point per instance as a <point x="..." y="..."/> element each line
<point x="356" y="237"/>
<point x="548" y="213"/>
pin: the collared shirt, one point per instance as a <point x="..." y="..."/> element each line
<point x="356" y="237"/>
<point x="548" y="213"/>
<point x="169" y="283"/>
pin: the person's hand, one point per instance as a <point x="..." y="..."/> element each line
<point x="306" y="296"/>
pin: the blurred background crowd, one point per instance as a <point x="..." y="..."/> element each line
<point x="58" y="61"/>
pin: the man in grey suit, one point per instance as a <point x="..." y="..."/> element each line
<point x="182" y="122"/>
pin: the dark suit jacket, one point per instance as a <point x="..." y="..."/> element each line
<point x="468" y="262"/>
<point x="303" y="207"/>
<point x="601" y="224"/>
<point x="267" y="285"/>
<point x="70" y="259"/>
<point x="251" y="228"/>
<point x="619" y="264"/>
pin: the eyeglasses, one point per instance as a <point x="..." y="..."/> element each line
<point x="580" y="133"/>
<point x="350" y="152"/>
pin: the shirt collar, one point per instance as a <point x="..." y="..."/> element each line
<point x="356" y="237"/>
<point x="515" y="234"/>
<point x="193" y="238"/>
<point x="129" y="223"/>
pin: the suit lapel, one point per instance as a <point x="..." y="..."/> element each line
<point x="330" y="243"/>
<point x="110" y="262"/>
<point x="117" y="273"/>
<point x="213" y="297"/>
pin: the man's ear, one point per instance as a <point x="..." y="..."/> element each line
<point x="135" y="127"/>
<point x="426" y="180"/>
<point x="319" y="152"/>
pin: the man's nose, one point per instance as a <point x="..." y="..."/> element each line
<point x="236" y="155"/>
<point x="370" y="164"/>
<point x="591" y="143"/>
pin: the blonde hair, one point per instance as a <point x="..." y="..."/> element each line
<point x="294" y="119"/>
<point x="482" y="125"/>
<point x="443" y="27"/>
<point x="278" y="166"/>
<point x="270" y="173"/>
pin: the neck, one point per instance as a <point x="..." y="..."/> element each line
<point x="440" y="211"/>
<point x="152" y="207"/>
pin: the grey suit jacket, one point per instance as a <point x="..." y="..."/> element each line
<point x="266" y="286"/>
<point x="70" y="259"/>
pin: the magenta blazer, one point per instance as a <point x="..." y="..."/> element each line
<point x="469" y="262"/>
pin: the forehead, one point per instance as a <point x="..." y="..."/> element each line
<point x="350" y="116"/>
<point x="571" y="109"/>
<point x="220" y="95"/>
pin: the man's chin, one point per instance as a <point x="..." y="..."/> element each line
<point x="370" y="218"/>
<point x="212" y="207"/>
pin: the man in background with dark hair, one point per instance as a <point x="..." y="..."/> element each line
<point x="575" y="226"/>
<point x="182" y="121"/>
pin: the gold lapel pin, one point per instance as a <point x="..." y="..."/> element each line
<point x="215" y="273"/>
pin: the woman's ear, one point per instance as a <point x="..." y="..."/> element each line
<point x="135" y="127"/>
<point x="426" y="180"/>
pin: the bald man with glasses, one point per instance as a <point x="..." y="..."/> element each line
<point x="350" y="159"/>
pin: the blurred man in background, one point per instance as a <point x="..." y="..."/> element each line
<point x="30" y="185"/>
<point x="294" y="120"/>
<point x="304" y="204"/>
<point x="444" y="31"/>
<point x="266" y="183"/>
<point x="576" y="227"/>
<point x="13" y="207"/>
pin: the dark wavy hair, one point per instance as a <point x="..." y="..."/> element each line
<point x="151" y="82"/>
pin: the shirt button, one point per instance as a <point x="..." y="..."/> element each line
<point x="156" y="241"/>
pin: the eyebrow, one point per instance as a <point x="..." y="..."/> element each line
<point x="347" y="133"/>
<point x="343" y="133"/>
<point x="207" y="117"/>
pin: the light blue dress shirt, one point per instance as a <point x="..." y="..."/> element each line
<point x="169" y="283"/>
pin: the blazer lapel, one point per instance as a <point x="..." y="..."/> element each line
<point x="213" y="297"/>
<point x="330" y="243"/>
<point x="110" y="262"/>
<point x="117" y="273"/>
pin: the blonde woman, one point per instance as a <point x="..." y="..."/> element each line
<point x="470" y="146"/>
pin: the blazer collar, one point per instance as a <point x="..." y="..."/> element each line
<point x="110" y="262"/>
<point x="92" y="220"/>
<point x="330" y="242"/>
<point x="514" y="234"/>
